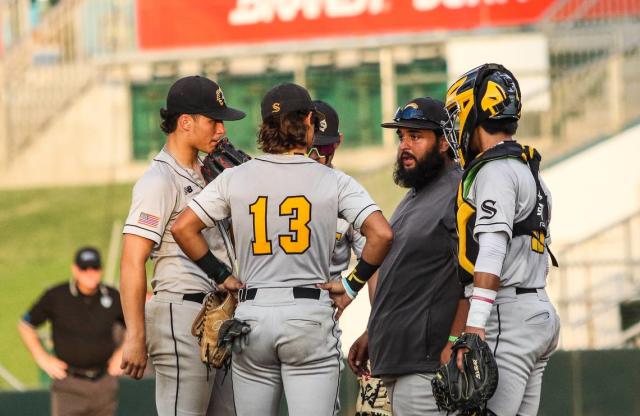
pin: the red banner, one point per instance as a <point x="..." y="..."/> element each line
<point x="196" y="23"/>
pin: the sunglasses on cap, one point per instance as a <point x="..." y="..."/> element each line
<point x="322" y="151"/>
<point x="410" y="113"/>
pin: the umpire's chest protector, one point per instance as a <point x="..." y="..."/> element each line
<point x="534" y="225"/>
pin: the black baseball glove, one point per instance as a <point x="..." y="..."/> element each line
<point x="225" y="156"/>
<point x="466" y="391"/>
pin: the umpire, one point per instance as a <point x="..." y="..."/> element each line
<point x="83" y="313"/>
<point x="417" y="288"/>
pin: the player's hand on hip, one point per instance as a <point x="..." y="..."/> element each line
<point x="134" y="356"/>
<point x="338" y="295"/>
<point x="359" y="355"/>
<point x="53" y="366"/>
<point x="231" y="285"/>
<point x="462" y="351"/>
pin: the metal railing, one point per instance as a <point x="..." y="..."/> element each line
<point x="598" y="275"/>
<point x="51" y="66"/>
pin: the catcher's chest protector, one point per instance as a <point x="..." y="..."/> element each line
<point x="534" y="225"/>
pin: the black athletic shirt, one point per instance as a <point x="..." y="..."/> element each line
<point x="418" y="287"/>
<point x="82" y="326"/>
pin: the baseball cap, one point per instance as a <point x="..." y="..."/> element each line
<point x="200" y="95"/>
<point x="419" y="113"/>
<point x="88" y="257"/>
<point x="327" y="131"/>
<point x="286" y="98"/>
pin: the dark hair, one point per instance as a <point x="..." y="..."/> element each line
<point x="169" y="121"/>
<point x="279" y="134"/>
<point x="506" y="126"/>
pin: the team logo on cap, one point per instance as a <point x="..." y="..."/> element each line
<point x="411" y="105"/>
<point x="323" y="125"/>
<point x="220" y="97"/>
<point x="275" y="108"/>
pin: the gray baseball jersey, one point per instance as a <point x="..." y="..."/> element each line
<point x="504" y="193"/>
<point x="522" y="329"/>
<point x="283" y="210"/>
<point x="183" y="383"/>
<point x="158" y="198"/>
<point x="347" y="239"/>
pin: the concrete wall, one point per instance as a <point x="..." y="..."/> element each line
<point x="89" y="143"/>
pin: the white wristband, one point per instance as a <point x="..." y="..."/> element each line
<point x="481" y="302"/>
<point x="352" y="295"/>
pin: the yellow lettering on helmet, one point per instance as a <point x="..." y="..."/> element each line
<point x="493" y="96"/>
<point x="275" y="108"/>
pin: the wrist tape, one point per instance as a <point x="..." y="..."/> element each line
<point x="359" y="275"/>
<point x="481" y="303"/>
<point x="214" y="268"/>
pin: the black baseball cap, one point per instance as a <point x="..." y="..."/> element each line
<point x="286" y="98"/>
<point x="200" y="95"/>
<point x="88" y="257"/>
<point x="327" y="132"/>
<point x="419" y="113"/>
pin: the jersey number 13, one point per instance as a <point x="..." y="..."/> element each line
<point x="298" y="208"/>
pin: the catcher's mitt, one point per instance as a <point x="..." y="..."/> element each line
<point x="218" y="307"/>
<point x="468" y="390"/>
<point x="225" y="156"/>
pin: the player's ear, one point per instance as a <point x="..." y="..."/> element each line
<point x="185" y="122"/>
<point x="341" y="136"/>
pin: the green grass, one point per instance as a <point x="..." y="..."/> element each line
<point x="42" y="228"/>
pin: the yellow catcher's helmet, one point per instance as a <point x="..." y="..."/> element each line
<point x="488" y="92"/>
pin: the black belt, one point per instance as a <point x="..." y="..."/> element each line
<point x="87" y="374"/>
<point x="298" y="293"/>
<point x="194" y="297"/>
<point x="523" y="290"/>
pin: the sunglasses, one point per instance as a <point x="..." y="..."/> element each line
<point x="322" y="151"/>
<point x="410" y="113"/>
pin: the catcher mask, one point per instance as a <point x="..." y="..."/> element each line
<point x="488" y="92"/>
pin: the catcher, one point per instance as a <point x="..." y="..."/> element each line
<point x="193" y="121"/>
<point x="503" y="214"/>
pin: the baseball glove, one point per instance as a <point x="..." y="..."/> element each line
<point x="373" y="399"/>
<point x="468" y="390"/>
<point x="218" y="307"/>
<point x="225" y="156"/>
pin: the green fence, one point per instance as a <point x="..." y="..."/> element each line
<point x="577" y="383"/>
<point x="354" y="93"/>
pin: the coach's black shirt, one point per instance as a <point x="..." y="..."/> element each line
<point x="82" y="326"/>
<point x="418" y="287"/>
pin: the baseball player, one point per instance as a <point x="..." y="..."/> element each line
<point x="193" y="121"/>
<point x="325" y="143"/>
<point x="503" y="213"/>
<point x="284" y="208"/>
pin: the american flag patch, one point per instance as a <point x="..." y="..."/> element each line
<point x="148" y="219"/>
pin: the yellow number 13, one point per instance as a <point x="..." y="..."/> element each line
<point x="296" y="207"/>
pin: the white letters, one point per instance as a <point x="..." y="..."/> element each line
<point x="251" y="12"/>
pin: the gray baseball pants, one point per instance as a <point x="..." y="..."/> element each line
<point x="522" y="332"/>
<point x="183" y="387"/>
<point x="411" y="394"/>
<point x="293" y="348"/>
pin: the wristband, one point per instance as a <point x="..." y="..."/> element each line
<point x="359" y="275"/>
<point x="352" y="295"/>
<point x="481" y="303"/>
<point x="214" y="268"/>
<point x="453" y="338"/>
